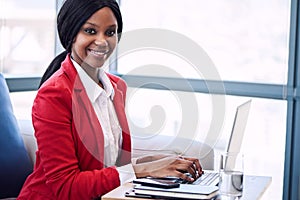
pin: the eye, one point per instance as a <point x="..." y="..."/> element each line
<point x="110" y="33"/>
<point x="90" y="31"/>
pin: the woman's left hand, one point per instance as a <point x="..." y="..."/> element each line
<point x="176" y="166"/>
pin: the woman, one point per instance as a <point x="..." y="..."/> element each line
<point x="84" y="146"/>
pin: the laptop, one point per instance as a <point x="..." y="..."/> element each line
<point x="209" y="177"/>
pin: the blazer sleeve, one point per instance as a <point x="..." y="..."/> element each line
<point x="52" y="120"/>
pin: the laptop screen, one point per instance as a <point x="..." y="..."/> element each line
<point x="238" y="129"/>
<point x="237" y="133"/>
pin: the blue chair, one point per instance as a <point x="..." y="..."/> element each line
<point x="15" y="164"/>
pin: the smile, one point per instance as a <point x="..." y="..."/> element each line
<point x="99" y="53"/>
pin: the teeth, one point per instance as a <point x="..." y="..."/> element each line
<point x="99" y="52"/>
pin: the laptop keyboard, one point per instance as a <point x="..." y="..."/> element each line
<point x="207" y="178"/>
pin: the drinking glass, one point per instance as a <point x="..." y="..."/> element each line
<point x="231" y="174"/>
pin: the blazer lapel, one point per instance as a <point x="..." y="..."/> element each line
<point x="84" y="117"/>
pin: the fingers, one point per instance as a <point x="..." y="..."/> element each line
<point x="190" y="165"/>
<point x="197" y="164"/>
<point x="176" y="166"/>
<point x="185" y="176"/>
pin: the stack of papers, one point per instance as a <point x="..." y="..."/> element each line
<point x="185" y="191"/>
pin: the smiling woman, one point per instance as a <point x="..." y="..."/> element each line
<point x="77" y="21"/>
<point x="253" y="45"/>
<point x="81" y="129"/>
<point x="95" y="41"/>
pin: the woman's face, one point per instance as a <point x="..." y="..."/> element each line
<point x="96" y="40"/>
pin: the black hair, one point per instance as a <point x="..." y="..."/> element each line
<point x="71" y="17"/>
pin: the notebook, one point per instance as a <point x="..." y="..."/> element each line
<point x="182" y="192"/>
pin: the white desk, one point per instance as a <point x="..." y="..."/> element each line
<point x="254" y="188"/>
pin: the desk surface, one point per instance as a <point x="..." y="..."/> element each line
<point x="254" y="188"/>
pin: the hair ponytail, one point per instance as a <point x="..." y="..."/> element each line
<point x="54" y="66"/>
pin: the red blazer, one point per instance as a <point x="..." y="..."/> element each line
<point x="69" y="159"/>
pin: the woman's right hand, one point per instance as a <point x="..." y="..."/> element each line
<point x="174" y="166"/>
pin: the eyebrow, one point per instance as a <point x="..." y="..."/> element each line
<point x="111" y="26"/>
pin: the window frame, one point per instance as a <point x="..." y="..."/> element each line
<point x="291" y="177"/>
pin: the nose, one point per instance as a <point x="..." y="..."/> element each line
<point x="101" y="41"/>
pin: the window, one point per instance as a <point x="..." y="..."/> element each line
<point x="27" y="43"/>
<point x="245" y="42"/>
<point x="27" y="36"/>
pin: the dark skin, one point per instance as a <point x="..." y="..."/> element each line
<point x="95" y="42"/>
<point x="92" y="46"/>
<point x="159" y="166"/>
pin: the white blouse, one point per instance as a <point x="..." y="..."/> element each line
<point x="101" y="100"/>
